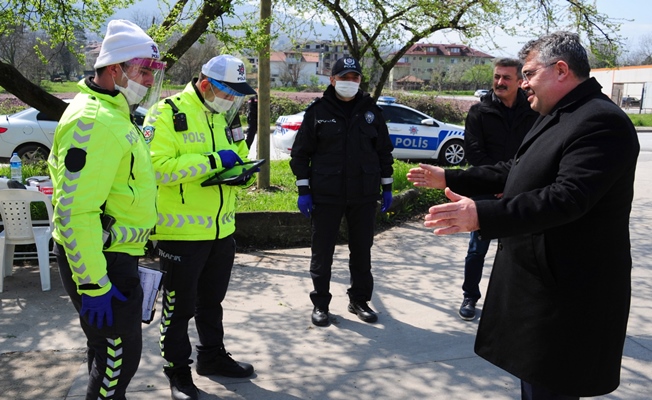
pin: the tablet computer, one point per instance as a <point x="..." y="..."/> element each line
<point x="237" y="172"/>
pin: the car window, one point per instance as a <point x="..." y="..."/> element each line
<point x="400" y="115"/>
<point x="41" y="116"/>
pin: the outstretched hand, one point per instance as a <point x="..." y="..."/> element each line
<point x="426" y="175"/>
<point x="460" y="215"/>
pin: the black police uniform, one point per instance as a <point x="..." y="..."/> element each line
<point x="252" y="120"/>
<point x="344" y="149"/>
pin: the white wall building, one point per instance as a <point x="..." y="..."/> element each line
<point x="634" y="81"/>
<point x="303" y="66"/>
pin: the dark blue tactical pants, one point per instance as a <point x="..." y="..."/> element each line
<point x="114" y="351"/>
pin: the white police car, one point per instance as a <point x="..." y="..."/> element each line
<point x="415" y="135"/>
<point x="30" y="133"/>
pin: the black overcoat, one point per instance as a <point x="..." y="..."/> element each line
<point x="558" y="299"/>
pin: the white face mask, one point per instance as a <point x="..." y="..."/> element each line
<point x="346" y="89"/>
<point x="218" y="104"/>
<point x="134" y="92"/>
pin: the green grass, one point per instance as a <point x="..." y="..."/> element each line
<point x="282" y="194"/>
<point x="60" y="87"/>
<point x="641" y="119"/>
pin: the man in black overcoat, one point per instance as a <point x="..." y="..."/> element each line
<point x="557" y="304"/>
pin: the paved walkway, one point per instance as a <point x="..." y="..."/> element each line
<point x="419" y="349"/>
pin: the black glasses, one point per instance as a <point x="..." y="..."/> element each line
<point x="527" y="75"/>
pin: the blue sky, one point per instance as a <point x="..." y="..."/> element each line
<point x="639" y="11"/>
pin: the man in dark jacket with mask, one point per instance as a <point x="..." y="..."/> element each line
<point x="495" y="127"/>
<point x="342" y="158"/>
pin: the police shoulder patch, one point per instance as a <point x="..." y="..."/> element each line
<point x="369" y="117"/>
<point x="148" y="133"/>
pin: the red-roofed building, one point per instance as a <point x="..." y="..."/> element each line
<point x="290" y="68"/>
<point x="422" y="59"/>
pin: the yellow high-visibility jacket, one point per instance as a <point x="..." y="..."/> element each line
<point x="99" y="159"/>
<point x="182" y="161"/>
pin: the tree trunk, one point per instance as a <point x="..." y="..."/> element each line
<point x="15" y="83"/>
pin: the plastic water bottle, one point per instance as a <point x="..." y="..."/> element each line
<point x="16" y="165"/>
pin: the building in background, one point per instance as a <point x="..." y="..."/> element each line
<point x="294" y="68"/>
<point x="423" y="59"/>
<point x="630" y="87"/>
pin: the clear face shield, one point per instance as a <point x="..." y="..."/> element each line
<point x="145" y="80"/>
<point x="226" y="100"/>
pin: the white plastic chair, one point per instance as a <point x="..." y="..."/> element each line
<point x="18" y="229"/>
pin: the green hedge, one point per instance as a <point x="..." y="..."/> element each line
<point x="444" y="110"/>
<point x="36" y="169"/>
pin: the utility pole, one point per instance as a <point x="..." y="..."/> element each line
<point x="264" y="96"/>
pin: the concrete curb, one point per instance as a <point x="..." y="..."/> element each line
<point x="281" y="229"/>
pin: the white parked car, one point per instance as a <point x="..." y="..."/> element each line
<point x="30" y="133"/>
<point x="480" y="92"/>
<point x="415" y="135"/>
<point x="286" y="130"/>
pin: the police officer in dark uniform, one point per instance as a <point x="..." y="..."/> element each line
<point x="342" y="158"/>
<point x="252" y="119"/>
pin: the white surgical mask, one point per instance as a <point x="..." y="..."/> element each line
<point x="218" y="104"/>
<point x="346" y="89"/>
<point x="134" y="92"/>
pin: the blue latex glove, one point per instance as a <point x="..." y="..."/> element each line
<point x="99" y="307"/>
<point x="229" y="158"/>
<point x="387" y="201"/>
<point x="305" y="204"/>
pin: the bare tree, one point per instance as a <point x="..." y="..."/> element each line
<point x="189" y="65"/>
<point x="369" y="26"/>
<point x="58" y="20"/>
<point x="291" y="70"/>
<point x="641" y="54"/>
<point x="16" y="48"/>
<point x="438" y="76"/>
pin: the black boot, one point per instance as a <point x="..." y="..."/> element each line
<point x="467" y="309"/>
<point x="181" y="383"/>
<point x="363" y="311"/>
<point x="218" y="362"/>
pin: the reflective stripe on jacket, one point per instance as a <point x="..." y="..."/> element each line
<point x="345" y="156"/>
<point x="99" y="159"/>
<point x="182" y="161"/>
